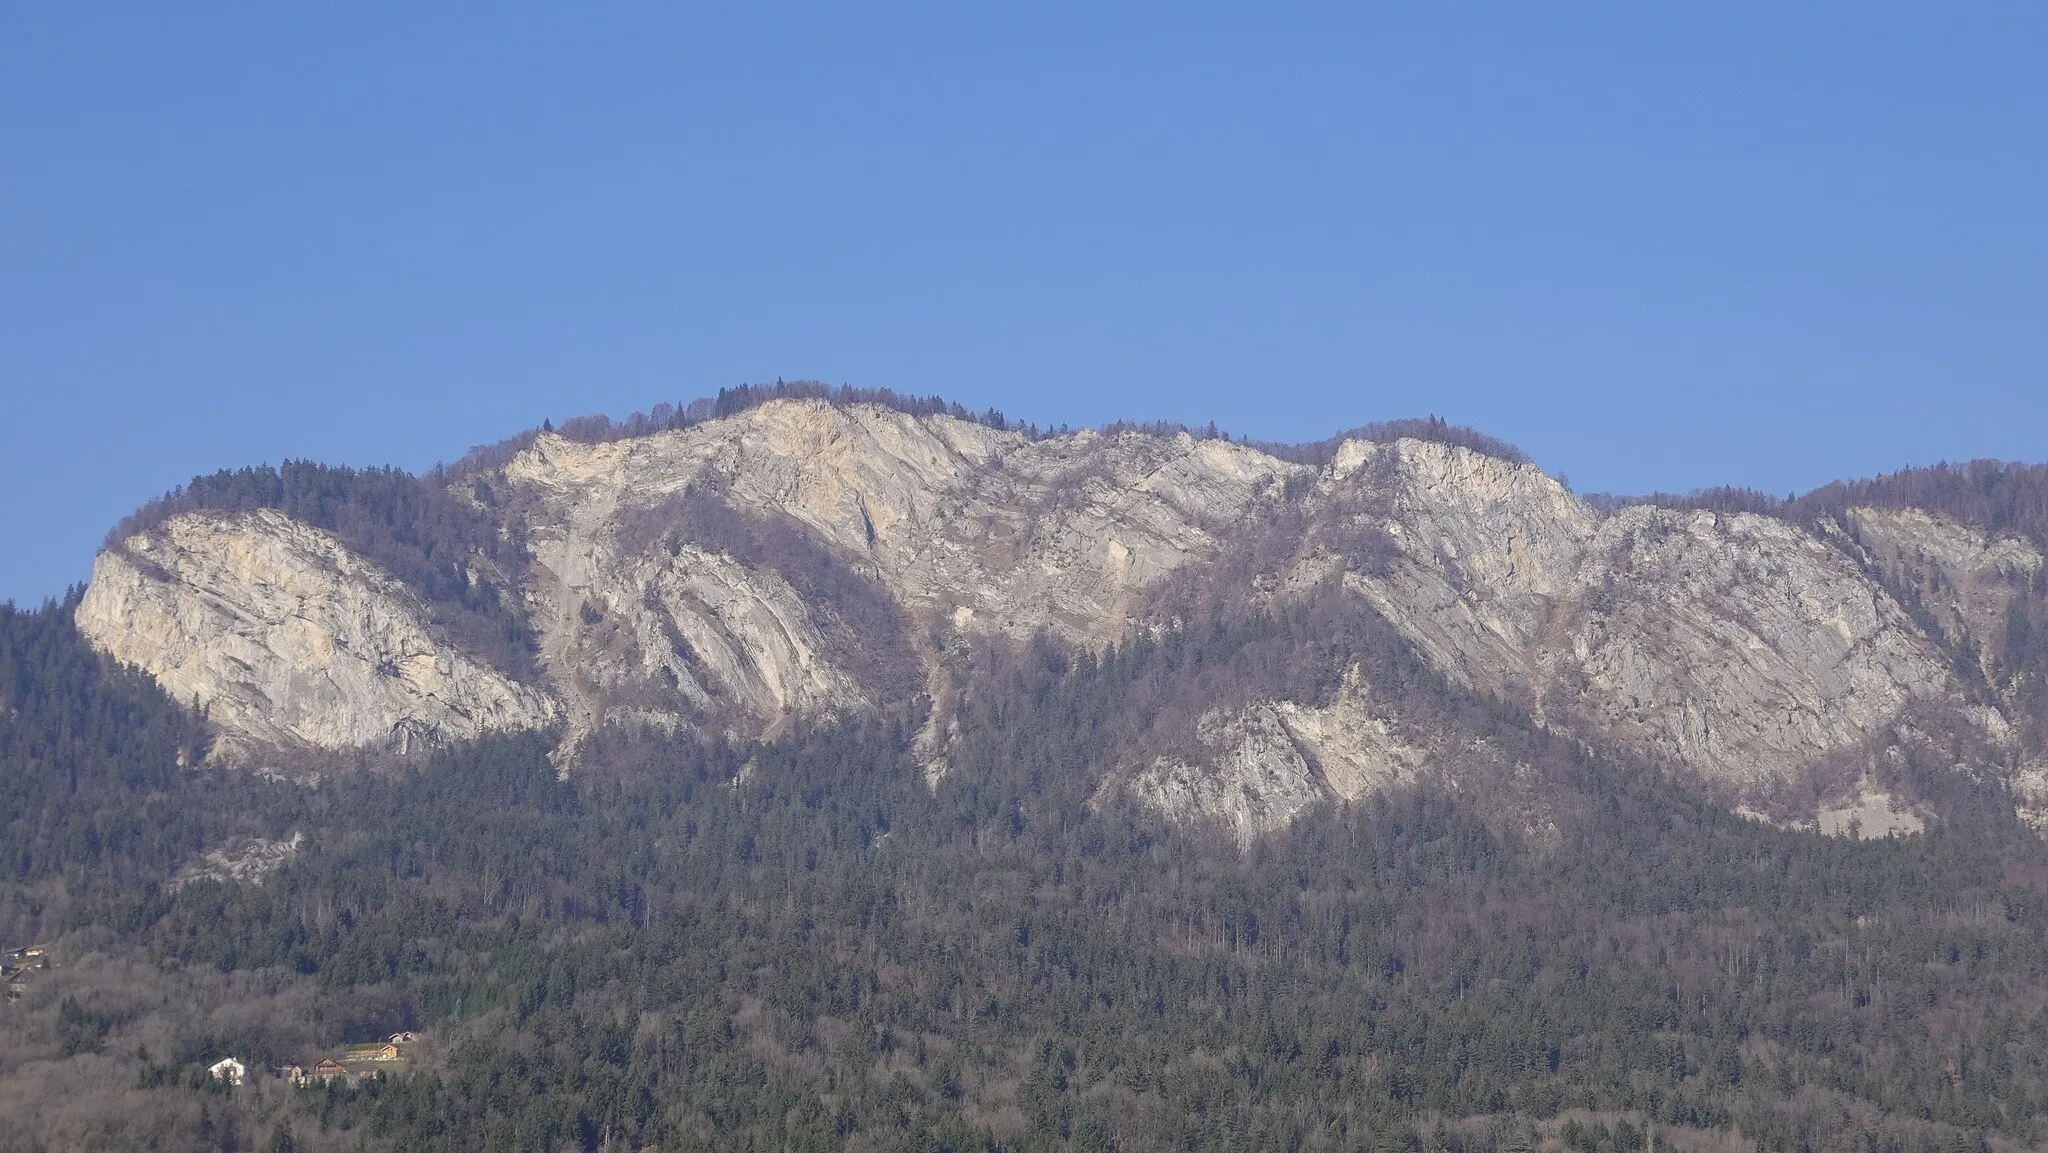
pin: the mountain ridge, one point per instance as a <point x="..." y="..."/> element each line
<point x="778" y="556"/>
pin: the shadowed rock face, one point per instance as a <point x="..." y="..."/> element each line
<point x="1739" y="647"/>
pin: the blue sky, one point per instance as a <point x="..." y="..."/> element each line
<point x="1658" y="247"/>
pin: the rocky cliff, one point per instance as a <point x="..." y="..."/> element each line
<point x="966" y="529"/>
<point x="1738" y="645"/>
<point x="287" y="639"/>
<point x="807" y="559"/>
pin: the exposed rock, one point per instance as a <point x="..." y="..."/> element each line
<point x="1061" y="533"/>
<point x="2030" y="792"/>
<point x="1869" y="815"/>
<point x="1358" y="750"/>
<point x="1256" y="781"/>
<point x="287" y="639"/>
<point x="245" y="862"/>
<point x="1739" y="646"/>
<point x="1742" y="648"/>
<point x="702" y="627"/>
<point x="969" y="529"/>
<point x="1963" y="576"/>
<point x="1267" y="762"/>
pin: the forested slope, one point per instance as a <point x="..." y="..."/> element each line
<point x="800" y="945"/>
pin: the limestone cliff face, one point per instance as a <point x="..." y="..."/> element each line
<point x="671" y="638"/>
<point x="1358" y="748"/>
<point x="1264" y="763"/>
<point x="1963" y="576"/>
<point x="1252" y="779"/>
<point x="1739" y="646"/>
<point x="989" y="529"/>
<point x="807" y="559"/>
<point x="966" y="528"/>
<point x="1965" y="581"/>
<point x="2030" y="794"/>
<point x="289" y="640"/>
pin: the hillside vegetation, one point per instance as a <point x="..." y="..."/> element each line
<point x="887" y="880"/>
<point x="801" y="946"/>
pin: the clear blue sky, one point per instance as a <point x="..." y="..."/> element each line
<point x="1763" y="244"/>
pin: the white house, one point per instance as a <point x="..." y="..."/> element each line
<point x="230" y="1070"/>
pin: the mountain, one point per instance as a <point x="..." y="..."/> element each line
<point x="810" y="559"/>
<point x="810" y="769"/>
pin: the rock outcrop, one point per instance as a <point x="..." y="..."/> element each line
<point x="967" y="528"/>
<point x="1739" y="646"/>
<point x="1060" y="533"/>
<point x="1964" y="577"/>
<point x="288" y="639"/>
<point x="1253" y="778"/>
<point x="1264" y="763"/>
<point x="245" y="862"/>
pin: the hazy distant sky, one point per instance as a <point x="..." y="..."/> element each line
<point x="1764" y="244"/>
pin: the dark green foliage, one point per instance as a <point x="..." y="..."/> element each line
<point x="88" y="754"/>
<point x="80" y="1030"/>
<point x="459" y="556"/>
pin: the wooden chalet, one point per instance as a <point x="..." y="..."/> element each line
<point x="327" y="1070"/>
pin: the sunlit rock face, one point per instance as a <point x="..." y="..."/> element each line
<point x="964" y="528"/>
<point x="806" y="559"/>
<point x="1263" y="764"/>
<point x="1060" y="533"/>
<point x="1739" y="646"/>
<point x="288" y="639"/>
